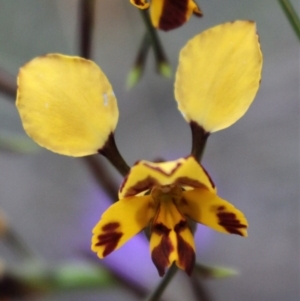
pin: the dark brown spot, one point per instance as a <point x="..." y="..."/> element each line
<point x="221" y="208"/>
<point x="186" y="181"/>
<point x="161" y="229"/>
<point x="110" y="238"/>
<point x="180" y="226"/>
<point x="230" y="223"/>
<point x="160" y="254"/>
<point x="140" y="186"/>
<point x="110" y="227"/>
<point x="110" y="241"/>
<point x="186" y="255"/>
<point x="173" y="14"/>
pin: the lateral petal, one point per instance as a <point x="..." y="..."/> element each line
<point x="66" y="104"/>
<point x="183" y="172"/>
<point x="207" y="208"/>
<point x="218" y="75"/>
<point x="120" y="222"/>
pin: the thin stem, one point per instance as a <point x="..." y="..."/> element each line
<point x="112" y="154"/>
<point x="199" y="138"/>
<point x="102" y="177"/>
<point x="201" y="294"/>
<point x="158" y="291"/>
<point x="159" y="53"/>
<point x="292" y="15"/>
<point x="7" y="84"/>
<point x="17" y="244"/>
<point x="139" y="64"/>
<point x="86" y="19"/>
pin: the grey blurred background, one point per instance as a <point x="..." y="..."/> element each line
<point x="53" y="202"/>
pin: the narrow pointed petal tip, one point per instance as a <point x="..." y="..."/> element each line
<point x="66" y="104"/>
<point x="219" y="74"/>
<point x="206" y="207"/>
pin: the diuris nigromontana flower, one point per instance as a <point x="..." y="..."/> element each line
<point x="169" y="14"/>
<point x="68" y="106"/>
<point x="165" y="197"/>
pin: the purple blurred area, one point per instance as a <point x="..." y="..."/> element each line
<point x="53" y="202"/>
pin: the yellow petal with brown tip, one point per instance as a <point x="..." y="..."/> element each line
<point x="219" y="74"/>
<point x="66" y="104"/>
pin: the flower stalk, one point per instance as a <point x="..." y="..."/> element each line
<point x="291" y="15"/>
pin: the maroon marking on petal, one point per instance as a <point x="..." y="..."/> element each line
<point x="209" y="178"/>
<point x="221" y="208"/>
<point x="180" y="226"/>
<point x="173" y="14"/>
<point x="231" y="224"/>
<point x="186" y="255"/>
<point x="186" y="181"/>
<point x="141" y="186"/>
<point x="160" y="254"/>
<point x="138" y="2"/>
<point x="157" y="168"/>
<point x="110" y="238"/>
<point x="161" y="229"/>
<point x="111" y="227"/>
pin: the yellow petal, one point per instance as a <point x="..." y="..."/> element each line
<point x="207" y="208"/>
<point x="171" y="238"/>
<point x="167" y="15"/>
<point x="66" y="104"/>
<point x="218" y="75"/>
<point x="142" y="4"/>
<point x="184" y="172"/>
<point x="185" y="249"/>
<point x="120" y="222"/>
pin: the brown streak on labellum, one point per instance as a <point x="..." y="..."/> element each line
<point x="160" y="254"/>
<point x="230" y="222"/>
<point x="173" y="14"/>
<point x="182" y="225"/>
<point x="110" y="238"/>
<point x="186" y="255"/>
<point x="141" y="186"/>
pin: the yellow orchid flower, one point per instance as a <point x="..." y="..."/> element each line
<point x="166" y="197"/>
<point x="68" y="106"/>
<point x="169" y="14"/>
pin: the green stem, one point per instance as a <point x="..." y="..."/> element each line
<point x="158" y="291"/>
<point x="17" y="244"/>
<point x="292" y="15"/>
<point x="160" y="57"/>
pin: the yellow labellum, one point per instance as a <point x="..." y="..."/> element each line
<point x="66" y="104"/>
<point x="219" y="74"/>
